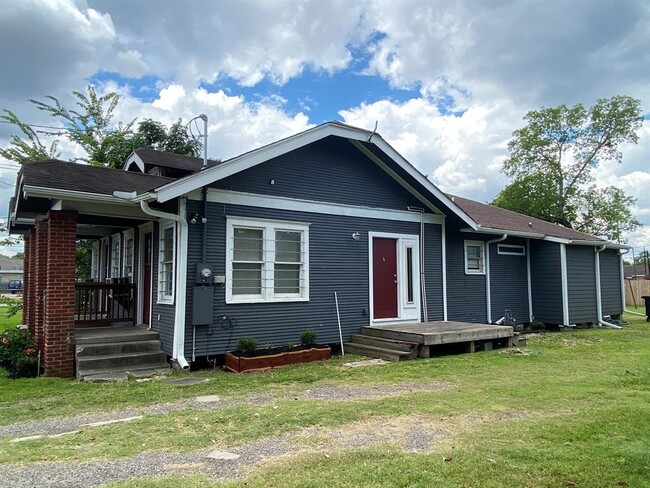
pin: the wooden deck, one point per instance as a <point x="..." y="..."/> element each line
<point x="439" y="333"/>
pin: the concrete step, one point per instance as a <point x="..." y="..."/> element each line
<point x="111" y="335"/>
<point x="376" y="352"/>
<point x="384" y="343"/>
<point x="103" y="349"/>
<point x="114" y="375"/>
<point x="121" y="360"/>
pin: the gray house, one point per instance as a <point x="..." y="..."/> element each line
<point x="258" y="245"/>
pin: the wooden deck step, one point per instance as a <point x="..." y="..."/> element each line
<point x="384" y="343"/>
<point x="376" y="352"/>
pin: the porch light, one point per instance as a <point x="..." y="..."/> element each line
<point x="196" y="218"/>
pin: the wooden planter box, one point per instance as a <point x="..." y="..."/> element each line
<point x="240" y="364"/>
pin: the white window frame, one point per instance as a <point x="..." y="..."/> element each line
<point x="115" y="270"/>
<point x="128" y="234"/>
<point x="268" y="267"/>
<point x="166" y="298"/>
<point x="481" y="270"/>
<point x="95" y="261"/>
<point x="511" y="250"/>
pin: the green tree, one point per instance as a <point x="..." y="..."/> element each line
<point x="551" y="160"/>
<point x="90" y="125"/>
<point x="28" y="149"/>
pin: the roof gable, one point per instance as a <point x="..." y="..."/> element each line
<point x="257" y="156"/>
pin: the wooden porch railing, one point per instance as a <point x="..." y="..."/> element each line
<point x="104" y="303"/>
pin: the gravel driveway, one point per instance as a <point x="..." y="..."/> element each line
<point x="220" y="464"/>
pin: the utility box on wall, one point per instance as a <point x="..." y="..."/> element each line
<point x="202" y="303"/>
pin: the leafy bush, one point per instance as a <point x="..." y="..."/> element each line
<point x="247" y="344"/>
<point x="13" y="304"/>
<point x="308" y="337"/>
<point x="18" y="354"/>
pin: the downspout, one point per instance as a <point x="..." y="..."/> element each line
<point x="488" y="288"/>
<point x="565" y="286"/>
<point x="599" y="298"/>
<point x="444" y="270"/>
<point x="623" y="287"/>
<point x="178" y="353"/>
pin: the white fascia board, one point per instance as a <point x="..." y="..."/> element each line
<point x="559" y="240"/>
<point x="370" y="155"/>
<point x="133" y="158"/>
<point x="420" y="178"/>
<point x="511" y="233"/>
<point x="298" y="205"/>
<point x="58" y="194"/>
<point x="257" y="156"/>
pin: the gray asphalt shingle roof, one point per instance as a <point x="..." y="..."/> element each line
<point x="171" y="160"/>
<point x="62" y="175"/>
<point x="498" y="218"/>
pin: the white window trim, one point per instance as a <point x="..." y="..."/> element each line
<point x="480" y="244"/>
<point x="166" y="299"/>
<point x="268" y="226"/>
<point x="128" y="234"/>
<point x="115" y="238"/>
<point x="95" y="261"/>
<point x="511" y="250"/>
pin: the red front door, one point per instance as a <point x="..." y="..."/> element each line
<point x="146" y="302"/>
<point x="384" y="278"/>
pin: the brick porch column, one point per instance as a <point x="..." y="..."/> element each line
<point x="28" y="317"/>
<point x="39" y="275"/>
<point x="59" y="294"/>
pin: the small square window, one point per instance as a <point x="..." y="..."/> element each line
<point x="474" y="257"/>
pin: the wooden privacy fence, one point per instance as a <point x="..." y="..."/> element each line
<point x="634" y="290"/>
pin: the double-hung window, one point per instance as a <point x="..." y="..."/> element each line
<point x="474" y="257"/>
<point x="127" y="261"/>
<point x="267" y="261"/>
<point x="115" y="256"/>
<point x="166" y="254"/>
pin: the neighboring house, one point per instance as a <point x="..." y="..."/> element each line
<point x="11" y="269"/>
<point x="257" y="246"/>
<point x="636" y="272"/>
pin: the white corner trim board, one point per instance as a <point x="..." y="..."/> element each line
<point x="565" y="284"/>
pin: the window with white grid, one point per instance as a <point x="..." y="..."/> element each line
<point x="474" y="257"/>
<point x="127" y="261"/>
<point x="267" y="261"/>
<point x="115" y="256"/>
<point x="166" y="263"/>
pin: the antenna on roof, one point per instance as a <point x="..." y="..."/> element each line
<point x="374" y="131"/>
<point x="204" y="118"/>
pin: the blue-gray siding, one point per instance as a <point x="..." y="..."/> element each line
<point x="610" y="282"/>
<point x="509" y="282"/>
<point x="581" y="278"/>
<point x="331" y="170"/>
<point x="162" y="315"/>
<point x="336" y="263"/>
<point x="546" y="279"/>
<point x="465" y="293"/>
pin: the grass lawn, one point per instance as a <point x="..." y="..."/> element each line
<point x="9" y="322"/>
<point x="575" y="409"/>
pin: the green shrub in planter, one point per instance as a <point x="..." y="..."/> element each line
<point x="18" y="354"/>
<point x="247" y="344"/>
<point x="308" y="337"/>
